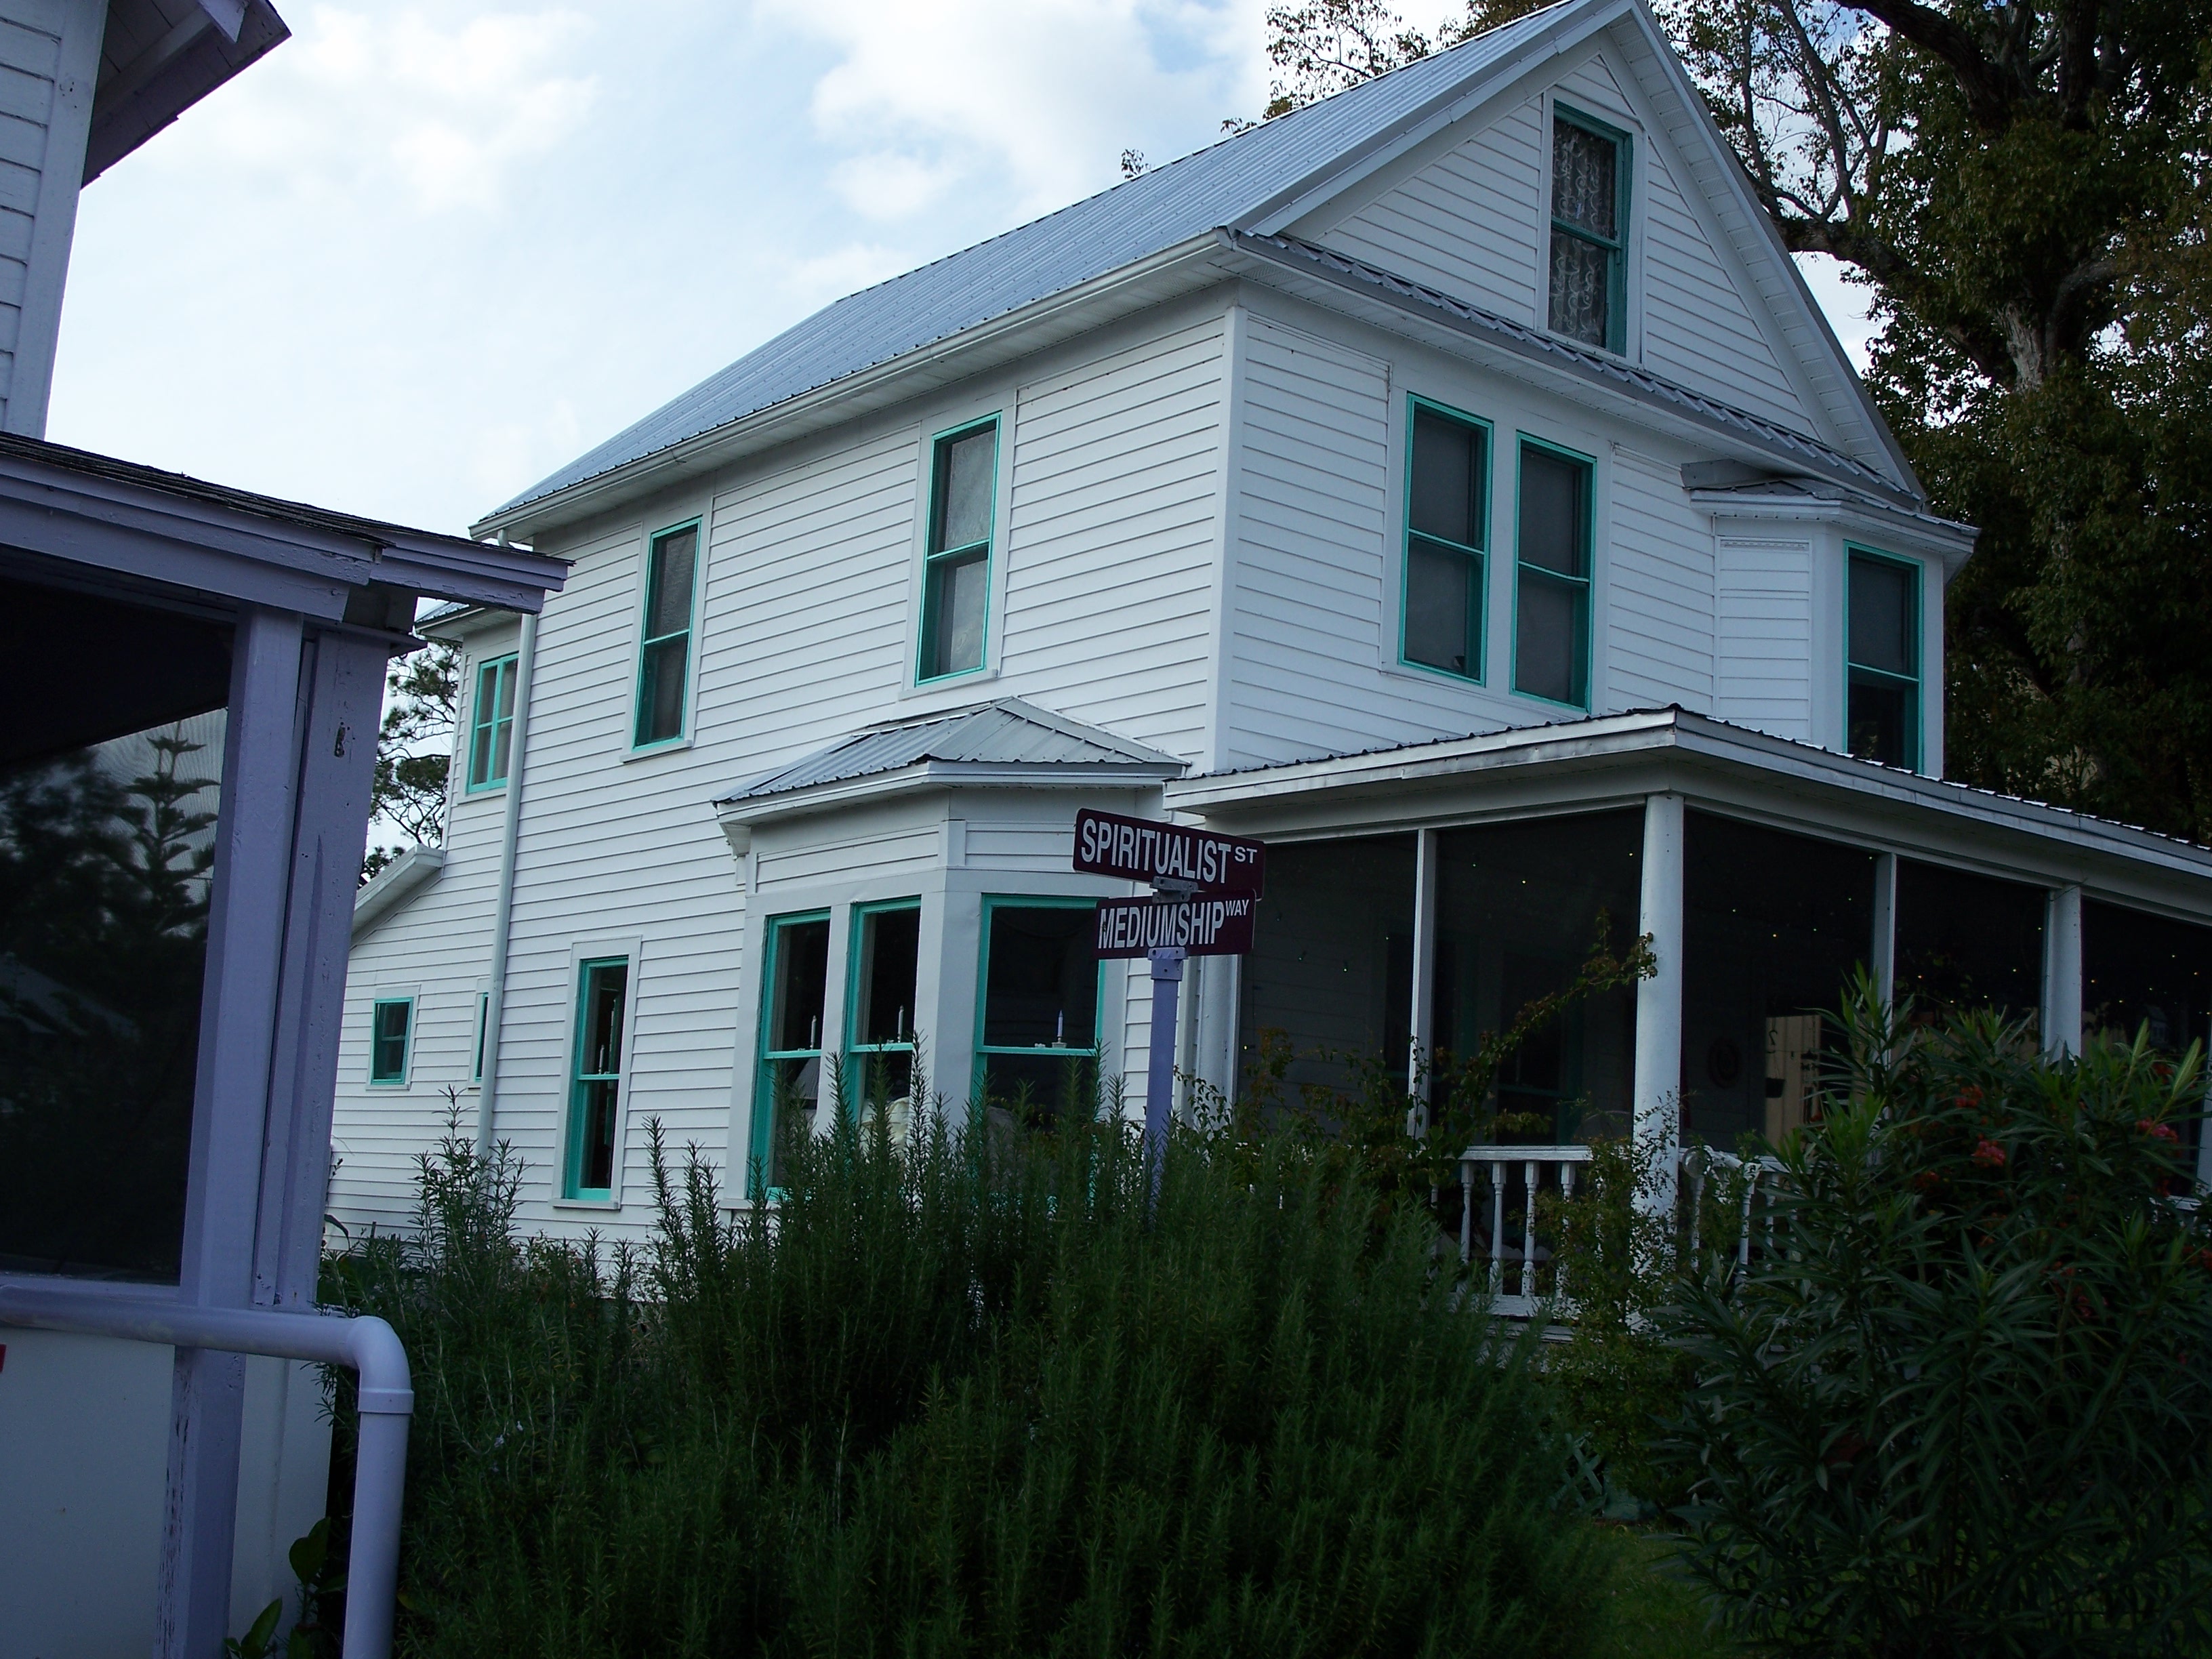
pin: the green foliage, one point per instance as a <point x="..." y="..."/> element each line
<point x="412" y="758"/>
<point x="963" y="1396"/>
<point x="322" y="1581"/>
<point x="1963" y="1403"/>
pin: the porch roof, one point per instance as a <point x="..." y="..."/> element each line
<point x="1617" y="759"/>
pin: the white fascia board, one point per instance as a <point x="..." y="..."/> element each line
<point x="1348" y="172"/>
<point x="1787" y="784"/>
<point x="1861" y="518"/>
<point x="937" y="775"/>
<point x="397" y="882"/>
<point x="1185" y="268"/>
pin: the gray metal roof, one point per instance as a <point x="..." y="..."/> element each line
<point x="1006" y="733"/>
<point x="1220" y="185"/>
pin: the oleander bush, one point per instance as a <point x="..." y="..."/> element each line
<point x="1961" y="1403"/>
<point x="960" y="1394"/>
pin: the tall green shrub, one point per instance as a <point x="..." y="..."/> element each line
<point x="1962" y="1403"/>
<point x="965" y="1396"/>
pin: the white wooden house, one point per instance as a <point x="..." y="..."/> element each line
<point x="1452" y="482"/>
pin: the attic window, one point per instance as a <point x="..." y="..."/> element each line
<point x="1590" y="231"/>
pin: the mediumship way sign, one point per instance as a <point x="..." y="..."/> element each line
<point x="1213" y="925"/>
<point x="1145" y="849"/>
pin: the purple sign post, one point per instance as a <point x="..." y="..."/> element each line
<point x="1205" y="887"/>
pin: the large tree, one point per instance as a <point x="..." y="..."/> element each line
<point x="2022" y="187"/>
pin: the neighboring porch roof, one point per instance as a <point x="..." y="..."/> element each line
<point x="1617" y="759"/>
<point x="1006" y="742"/>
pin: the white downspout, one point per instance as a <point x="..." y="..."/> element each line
<point x="503" y="910"/>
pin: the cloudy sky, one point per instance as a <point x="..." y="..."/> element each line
<point x="421" y="255"/>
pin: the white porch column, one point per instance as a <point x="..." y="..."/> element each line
<point x="1658" y="1078"/>
<point x="1424" y="968"/>
<point x="2061" y="972"/>
<point x="1882" y="949"/>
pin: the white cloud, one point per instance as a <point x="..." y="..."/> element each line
<point x="432" y="113"/>
<point x="886" y="185"/>
<point x="1844" y="304"/>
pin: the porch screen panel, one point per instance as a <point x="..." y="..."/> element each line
<point x="2147" y="975"/>
<point x="1968" y="941"/>
<point x="110" y="800"/>
<point x="1329" y="985"/>
<point x="1775" y="927"/>
<point x="1518" y="907"/>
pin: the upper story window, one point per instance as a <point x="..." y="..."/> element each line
<point x="956" y="592"/>
<point x="1590" y="231"/>
<point x="1882" y="721"/>
<point x="491" y="729"/>
<point x="1447" y="510"/>
<point x="1552" y="584"/>
<point x="664" y="669"/>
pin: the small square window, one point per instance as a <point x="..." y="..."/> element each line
<point x="390" y="1027"/>
<point x="1590" y="221"/>
<point x="602" y="997"/>
<point x="1039" y="1053"/>
<point x="665" y="657"/>
<point x="491" y="729"/>
<point x="957" y="567"/>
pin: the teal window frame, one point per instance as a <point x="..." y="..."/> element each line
<point x="583" y="1078"/>
<point x="936" y="557"/>
<point x="856" y="1055"/>
<point x="487" y="726"/>
<point x="992" y="903"/>
<point x="1585" y="584"/>
<point x="1616" y="285"/>
<point x="1915" y="684"/>
<point x="398" y="1078"/>
<point x="1478" y="622"/>
<point x="653" y="649"/>
<point x="760" y="1141"/>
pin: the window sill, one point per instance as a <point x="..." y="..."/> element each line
<point x="1428" y="675"/>
<point x="954" y="684"/>
<point x="482" y="791"/>
<point x="649" y="751"/>
<point x="594" y="1206"/>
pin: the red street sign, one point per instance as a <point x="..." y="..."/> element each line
<point x="1145" y="849"/>
<point x="1212" y="925"/>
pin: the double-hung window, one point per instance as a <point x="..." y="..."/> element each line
<point x="1883" y="717"/>
<point x="595" y="1090"/>
<point x="491" y="729"/>
<point x="879" y="1040"/>
<point x="663" y="670"/>
<point x="1590" y="231"/>
<point x="789" y="1084"/>
<point x="1552" y="587"/>
<point x="1037" y="1053"/>
<point x="1446" y="508"/>
<point x="955" y="580"/>
<point x="391" y="1032"/>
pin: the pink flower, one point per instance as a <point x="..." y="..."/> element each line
<point x="1990" y="1155"/>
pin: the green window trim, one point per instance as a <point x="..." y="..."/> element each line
<point x="391" y="1041"/>
<point x="665" y="665"/>
<point x="897" y="1050"/>
<point x="1577" y="588"/>
<point x="761" y="1139"/>
<point x="1428" y="555"/>
<point x="1616" y="244"/>
<point x="957" y="559"/>
<point x="993" y="903"/>
<point x="593" y="1157"/>
<point x="1860" y="676"/>
<point x="491" y="725"/>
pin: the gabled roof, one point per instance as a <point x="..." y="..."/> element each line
<point x="1009" y="741"/>
<point x="159" y="57"/>
<point x="1226" y="183"/>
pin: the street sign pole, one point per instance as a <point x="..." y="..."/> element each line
<point x="1159" y="1079"/>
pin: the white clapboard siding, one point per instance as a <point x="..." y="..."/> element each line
<point x="1466" y="223"/>
<point x="1112" y="538"/>
<point x="1698" y="321"/>
<point x="1765" y="636"/>
<point x="49" y="58"/>
<point x="1660" y="597"/>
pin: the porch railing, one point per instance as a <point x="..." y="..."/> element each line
<point x="1519" y="1283"/>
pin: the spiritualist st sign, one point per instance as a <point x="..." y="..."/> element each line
<point x="1171" y="856"/>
